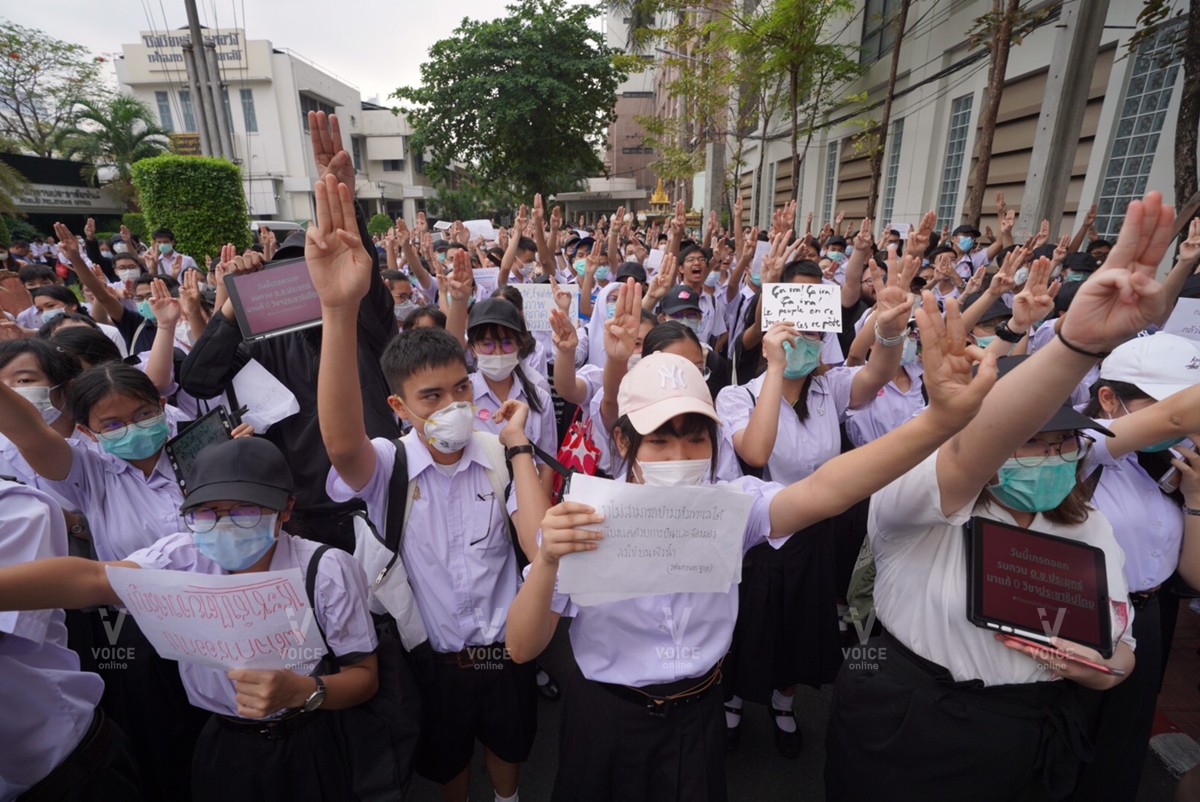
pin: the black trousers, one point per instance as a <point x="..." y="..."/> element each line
<point x="99" y="769"/>
<point x="1126" y="716"/>
<point x="613" y="749"/>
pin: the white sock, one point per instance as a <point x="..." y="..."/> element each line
<point x="783" y="703"/>
<point x="542" y="679"/>
<point x="514" y="798"/>
<point x="732" y="720"/>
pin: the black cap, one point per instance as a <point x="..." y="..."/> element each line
<point x="997" y="309"/>
<point x="582" y="242"/>
<point x="835" y="240"/>
<point x="292" y="247"/>
<point x="1080" y="262"/>
<point x="1066" y="294"/>
<point x="965" y="228"/>
<point x="1043" y="251"/>
<point x="441" y="245"/>
<point x="678" y="299"/>
<point x="1065" y="418"/>
<point x="248" y="469"/>
<point x="631" y="270"/>
<point x="496" y="311"/>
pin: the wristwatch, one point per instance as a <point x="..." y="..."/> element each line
<point x="78" y="529"/>
<point x="316" y="698"/>
<point x="1007" y="334"/>
<point x="513" y="451"/>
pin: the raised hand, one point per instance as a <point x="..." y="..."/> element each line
<point x="89" y="229"/>
<point x="67" y="244"/>
<point x="1089" y="219"/>
<point x="1039" y="239"/>
<point x="166" y="309"/>
<point x="1001" y="206"/>
<point x="562" y="533"/>
<point x="864" y="240"/>
<point x="918" y="239"/>
<point x="177" y="264"/>
<point x="326" y="136"/>
<point x="893" y="302"/>
<point x="621" y="330"/>
<point x="127" y="237"/>
<point x="340" y="267"/>
<point x="664" y="279"/>
<point x="422" y="224"/>
<point x="189" y="293"/>
<point x="1060" y="250"/>
<point x="562" y="298"/>
<point x="779" y="333"/>
<point x="1036" y="298"/>
<point x="954" y="395"/>
<point x="1007" y="221"/>
<point x="563" y="334"/>
<point x="461" y="279"/>
<point x="1189" y="249"/>
<point x="1122" y="297"/>
<point x="516" y="413"/>
<point x="679" y="221"/>
<point x="975" y="283"/>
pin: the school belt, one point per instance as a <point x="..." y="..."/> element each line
<point x="272" y="729"/>
<point x="76" y="766"/>
<point x="1140" y="598"/>
<point x="471" y="657"/>
<point x="659" y="699"/>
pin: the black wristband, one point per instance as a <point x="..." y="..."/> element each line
<point x="1007" y="334"/>
<point x="513" y="451"/>
<point x="1079" y="350"/>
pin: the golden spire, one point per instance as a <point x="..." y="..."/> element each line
<point x="659" y="197"/>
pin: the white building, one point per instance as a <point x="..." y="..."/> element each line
<point x="268" y="93"/>
<point x="1125" y="147"/>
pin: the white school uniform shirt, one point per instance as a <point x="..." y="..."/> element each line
<point x="921" y="579"/>
<point x="970" y="262"/>
<point x="30" y="318"/>
<point x="735" y="316"/>
<point x="712" y="322"/>
<point x="48" y="702"/>
<point x="1148" y="524"/>
<point x="540" y="427"/>
<point x="800" y="448"/>
<point x="166" y="264"/>
<point x="460" y="560"/>
<point x="126" y="510"/>
<point x="340" y="593"/>
<point x="13" y="464"/>
<point x="889" y="410"/>
<point x="638" y="642"/>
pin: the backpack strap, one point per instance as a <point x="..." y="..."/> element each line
<point x="499" y="470"/>
<point x="310" y="586"/>
<point x="397" y="515"/>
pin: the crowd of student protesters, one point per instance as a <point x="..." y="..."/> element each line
<point x="1029" y="383"/>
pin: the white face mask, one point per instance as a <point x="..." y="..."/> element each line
<point x="40" y="398"/>
<point x="120" y="247"/>
<point x="403" y="310"/>
<point x="675" y="473"/>
<point x="449" y="429"/>
<point x="497" y="367"/>
<point x="129" y="274"/>
<point x="527" y="269"/>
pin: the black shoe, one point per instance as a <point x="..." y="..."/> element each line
<point x="733" y="735"/>
<point x="550" y="690"/>
<point x="788" y="743"/>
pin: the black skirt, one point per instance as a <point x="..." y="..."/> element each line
<point x="611" y="748"/>
<point x="787" y="631"/>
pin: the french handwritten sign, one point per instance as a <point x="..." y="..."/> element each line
<point x="260" y="620"/>
<point x="1185" y="319"/>
<point x="539" y="300"/>
<point x="812" y="307"/>
<point x="656" y="540"/>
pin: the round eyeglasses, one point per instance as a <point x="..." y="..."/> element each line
<point x="114" y="430"/>
<point x="1072" y="449"/>
<point x="203" y="519"/>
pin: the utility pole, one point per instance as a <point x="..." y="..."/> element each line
<point x="189" y="62"/>
<point x="1061" y="119"/>
<point x="218" y="96"/>
<point x="202" y="87"/>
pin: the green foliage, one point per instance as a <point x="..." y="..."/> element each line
<point x="675" y="162"/>
<point x="136" y="223"/>
<point x="199" y="199"/>
<point x="5" y="238"/>
<point x="526" y="99"/>
<point x="19" y="229"/>
<point x="115" y="133"/>
<point x="1024" y="21"/>
<point x="12" y="186"/>
<point x="379" y="223"/>
<point x="42" y="80"/>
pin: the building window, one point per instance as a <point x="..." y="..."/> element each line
<point x="638" y="151"/>
<point x="164" y="111"/>
<point x="356" y="153"/>
<point x="637" y="94"/>
<point x="418" y="161"/>
<point x="895" y="142"/>
<point x="393" y="165"/>
<point x="879" y="29"/>
<point x="308" y="104"/>
<point x="831" y="165"/>
<point x="185" y="106"/>
<point x="248" y="111"/>
<point x="1143" y="113"/>
<point x="956" y="154"/>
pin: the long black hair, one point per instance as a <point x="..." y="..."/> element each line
<point x="114" y="378"/>
<point x="89" y="344"/>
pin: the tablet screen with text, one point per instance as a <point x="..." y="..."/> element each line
<point x="276" y="300"/>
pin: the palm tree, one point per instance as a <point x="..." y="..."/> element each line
<point x="12" y="186"/>
<point x="115" y="133"/>
<point x="640" y="14"/>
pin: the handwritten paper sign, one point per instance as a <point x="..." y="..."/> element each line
<point x="481" y="228"/>
<point x="812" y="307"/>
<point x="260" y="620"/>
<point x="266" y="399"/>
<point x="539" y="300"/>
<point x="486" y="278"/>
<point x="1185" y="319"/>
<point x="656" y="540"/>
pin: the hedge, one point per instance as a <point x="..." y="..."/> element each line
<point x="200" y="199"/>
<point x="136" y="223"/>
<point x="378" y="224"/>
<point x="19" y="229"/>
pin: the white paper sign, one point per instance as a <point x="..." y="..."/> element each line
<point x="267" y="400"/>
<point x="904" y="229"/>
<point x="261" y="620"/>
<point x="1185" y="319"/>
<point x="539" y="300"/>
<point x="653" y="262"/>
<point x="656" y="540"/>
<point x="481" y="228"/>
<point x="761" y="249"/>
<point x="486" y="278"/>
<point x="812" y="307"/>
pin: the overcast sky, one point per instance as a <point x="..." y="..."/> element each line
<point x="378" y="46"/>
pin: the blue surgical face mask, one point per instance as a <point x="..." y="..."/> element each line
<point x="756" y="279"/>
<point x="1076" y="275"/>
<point x="138" y="442"/>
<point x="165" y="248"/>
<point x="693" y="324"/>
<point x="984" y="342"/>
<point x="1037" y="489"/>
<point x="601" y="274"/>
<point x="1164" y="445"/>
<point x="233" y="547"/>
<point x="802" y="358"/>
<point x="145" y="311"/>
<point x="50" y="314"/>
<point x="713" y="279"/>
<point x="966" y="243"/>
<point x="909" y="354"/>
<point x="581" y="267"/>
<point x="612" y="308"/>
<point x="837" y="256"/>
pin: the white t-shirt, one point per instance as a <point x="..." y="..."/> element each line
<point x="921" y="579"/>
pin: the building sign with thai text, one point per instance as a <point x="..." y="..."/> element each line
<point x="165" y="50"/>
<point x="54" y="197"/>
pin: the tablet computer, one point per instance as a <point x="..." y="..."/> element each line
<point x="277" y="300"/>
<point x="209" y="429"/>
<point x="1037" y="586"/>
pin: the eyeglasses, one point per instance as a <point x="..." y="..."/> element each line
<point x="203" y="519"/>
<point x="687" y="314"/>
<point x="1072" y="449"/>
<point x="502" y="346"/>
<point x="705" y="372"/>
<point x="694" y="260"/>
<point x="114" y="430"/>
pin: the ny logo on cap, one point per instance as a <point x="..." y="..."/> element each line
<point x="674" y="375"/>
<point x="1193" y="365"/>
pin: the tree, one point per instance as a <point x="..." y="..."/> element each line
<point x="379" y="223"/>
<point x="200" y="199"/>
<point x="115" y="133"/>
<point x="12" y="186"/>
<point x="526" y="98"/>
<point x="879" y="141"/>
<point x="42" y="80"/>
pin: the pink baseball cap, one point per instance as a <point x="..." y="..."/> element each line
<point x="660" y="387"/>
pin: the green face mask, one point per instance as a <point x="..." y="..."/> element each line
<point x="1037" y="489"/>
<point x="802" y="358"/>
<point x="984" y="342"/>
<point x="1164" y="445"/>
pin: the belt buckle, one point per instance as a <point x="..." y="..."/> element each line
<point x="272" y="731"/>
<point x="464" y="660"/>
<point x="658" y="706"/>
